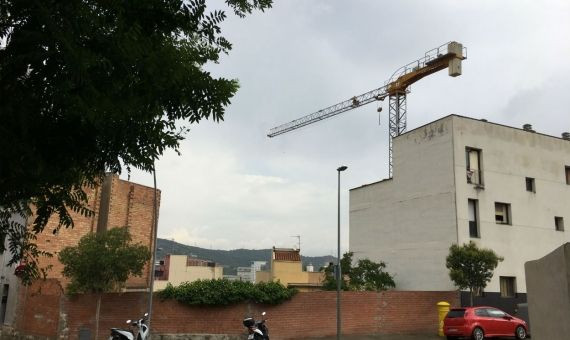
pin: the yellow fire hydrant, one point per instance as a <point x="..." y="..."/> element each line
<point x="442" y="309"/>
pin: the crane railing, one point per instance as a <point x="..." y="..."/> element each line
<point x="424" y="61"/>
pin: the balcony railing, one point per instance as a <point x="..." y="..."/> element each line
<point x="474" y="177"/>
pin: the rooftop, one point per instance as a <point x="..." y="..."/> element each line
<point x="284" y="254"/>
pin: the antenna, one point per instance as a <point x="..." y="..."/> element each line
<point x="299" y="240"/>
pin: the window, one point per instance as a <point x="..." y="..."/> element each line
<point x="473" y="165"/>
<point x="530" y="184"/>
<point x="495" y="313"/>
<point x="568" y="175"/>
<point x="481" y="312"/>
<point x="456" y="313"/>
<point x="502" y="213"/>
<point x="559" y="223"/>
<point x="508" y="286"/>
<point x="473" y="220"/>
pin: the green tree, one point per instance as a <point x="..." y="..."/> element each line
<point x="471" y="267"/>
<point x="366" y="275"/>
<point x="94" y="86"/>
<point x="102" y="262"/>
<point x="369" y="275"/>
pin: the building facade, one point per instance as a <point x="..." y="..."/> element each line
<point x="245" y="274"/>
<point x="287" y="268"/>
<point x="176" y="269"/>
<point x="457" y="180"/>
<point x="115" y="203"/>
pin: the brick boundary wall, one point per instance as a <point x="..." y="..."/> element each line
<point x="45" y="311"/>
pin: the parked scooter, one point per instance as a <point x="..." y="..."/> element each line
<point x="128" y="334"/>
<point x="257" y="330"/>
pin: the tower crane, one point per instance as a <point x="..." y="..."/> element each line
<point x="448" y="55"/>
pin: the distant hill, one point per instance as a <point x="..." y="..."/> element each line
<point x="230" y="259"/>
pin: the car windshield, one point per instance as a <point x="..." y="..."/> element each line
<point x="456" y="313"/>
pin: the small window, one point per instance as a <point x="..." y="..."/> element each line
<point x="455" y="313"/>
<point x="530" y="184"/>
<point x="568" y="175"/>
<point x="502" y="213"/>
<point x="481" y="312"/>
<point x="472" y="208"/>
<point x="559" y="223"/>
<point x="508" y="286"/>
<point x="495" y="313"/>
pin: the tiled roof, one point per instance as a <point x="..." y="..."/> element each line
<point x="286" y="255"/>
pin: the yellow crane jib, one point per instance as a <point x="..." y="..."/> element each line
<point x="434" y="61"/>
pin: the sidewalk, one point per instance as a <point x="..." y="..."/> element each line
<point x="383" y="337"/>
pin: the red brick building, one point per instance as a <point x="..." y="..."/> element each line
<point x="116" y="203"/>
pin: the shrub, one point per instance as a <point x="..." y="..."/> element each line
<point x="224" y="292"/>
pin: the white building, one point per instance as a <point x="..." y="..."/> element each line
<point x="257" y="266"/>
<point x="457" y="180"/>
<point x="245" y="274"/>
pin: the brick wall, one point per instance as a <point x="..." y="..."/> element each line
<point x="130" y="205"/>
<point x="311" y="314"/>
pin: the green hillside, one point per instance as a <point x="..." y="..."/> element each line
<point x="230" y="259"/>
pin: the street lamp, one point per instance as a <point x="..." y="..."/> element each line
<point x="338" y="269"/>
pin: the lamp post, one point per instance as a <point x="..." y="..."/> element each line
<point x="338" y="269"/>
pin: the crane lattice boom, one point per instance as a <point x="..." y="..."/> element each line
<point x="448" y="55"/>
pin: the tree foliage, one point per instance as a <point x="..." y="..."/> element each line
<point x="102" y="262"/>
<point x="471" y="267"/>
<point x="224" y="292"/>
<point x="93" y="86"/>
<point x="366" y="275"/>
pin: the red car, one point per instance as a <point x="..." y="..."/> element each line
<point x="479" y="323"/>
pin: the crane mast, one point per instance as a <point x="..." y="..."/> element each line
<point x="448" y="55"/>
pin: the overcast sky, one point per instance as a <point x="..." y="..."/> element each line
<point x="233" y="187"/>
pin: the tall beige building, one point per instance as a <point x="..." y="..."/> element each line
<point x="177" y="269"/>
<point x="457" y="180"/>
<point x="287" y="268"/>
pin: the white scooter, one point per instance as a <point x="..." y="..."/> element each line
<point x="128" y="334"/>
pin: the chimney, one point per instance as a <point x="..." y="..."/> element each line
<point x="566" y="135"/>
<point x="483" y="120"/>
<point x="528" y="127"/>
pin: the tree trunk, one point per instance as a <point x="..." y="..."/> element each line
<point x="97" y="316"/>
<point x="471" y="296"/>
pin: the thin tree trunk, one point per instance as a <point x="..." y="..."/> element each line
<point x="471" y="296"/>
<point x="97" y="316"/>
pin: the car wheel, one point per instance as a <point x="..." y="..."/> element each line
<point x="520" y="332"/>
<point x="478" y="334"/>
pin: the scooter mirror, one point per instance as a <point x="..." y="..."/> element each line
<point x="263" y="314"/>
<point x="145" y="314"/>
<point x="129" y="321"/>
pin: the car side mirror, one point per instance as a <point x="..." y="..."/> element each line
<point x="507" y="317"/>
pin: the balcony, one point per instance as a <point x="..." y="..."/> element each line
<point x="474" y="177"/>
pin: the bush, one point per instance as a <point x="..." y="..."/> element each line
<point x="225" y="292"/>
